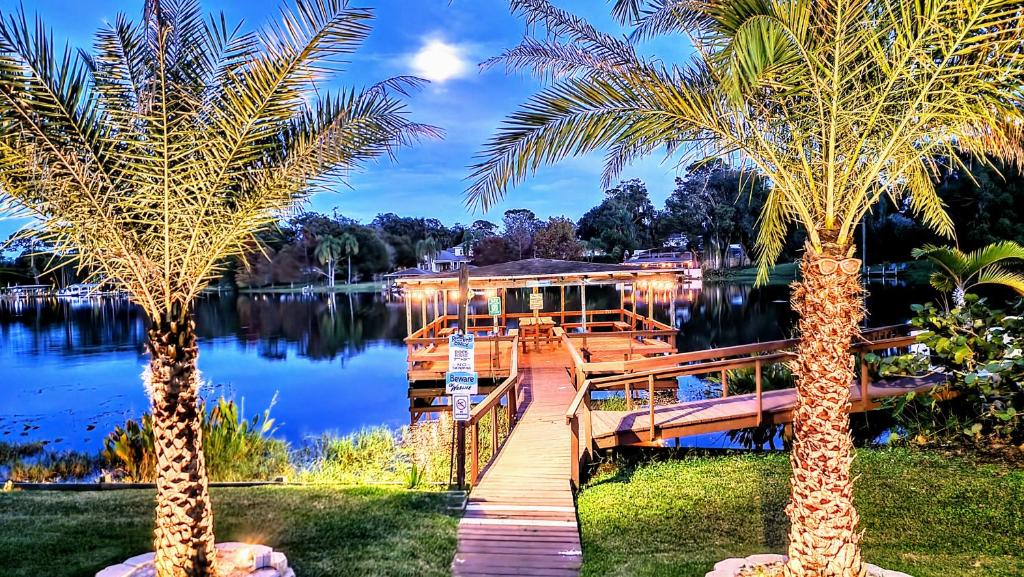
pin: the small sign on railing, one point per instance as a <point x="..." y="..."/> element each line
<point x="460" y="408"/>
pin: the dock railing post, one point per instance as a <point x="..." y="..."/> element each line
<point x="865" y="383"/>
<point x="460" y="454"/>
<point x="474" y="452"/>
<point x="650" y="401"/>
<point x="757" y="384"/>
<point x="574" y="451"/>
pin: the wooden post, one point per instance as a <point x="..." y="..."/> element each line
<point x="408" y="314"/>
<point x="650" y="302"/>
<point x="650" y="401"/>
<point x="504" y="304"/>
<point x="474" y="457"/>
<point x="583" y="306"/>
<point x="725" y="384"/>
<point x="463" y="298"/>
<point x="536" y="324"/>
<point x="461" y="425"/>
<point x="574" y="451"/>
<point x="494" y="431"/>
<point x="865" y="383"/>
<point x="460" y="454"/>
<point x="445" y="299"/>
<point x="561" y="304"/>
<point x="757" y="384"/>
<point x="622" y="302"/>
<point x="423" y="313"/>
<point x="632" y="292"/>
<point x="628" y="389"/>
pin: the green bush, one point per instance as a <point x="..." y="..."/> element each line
<point x="979" y="349"/>
<point x="236" y="448"/>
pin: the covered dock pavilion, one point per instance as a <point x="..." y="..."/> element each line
<point x="599" y="334"/>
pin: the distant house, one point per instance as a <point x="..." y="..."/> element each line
<point x="735" y="256"/>
<point x="449" y="259"/>
<point x="677" y="240"/>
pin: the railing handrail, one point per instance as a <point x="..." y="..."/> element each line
<point x="495" y="397"/>
<point x="715" y="362"/>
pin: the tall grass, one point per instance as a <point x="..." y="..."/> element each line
<point x="32" y="463"/>
<point x="236" y="448"/>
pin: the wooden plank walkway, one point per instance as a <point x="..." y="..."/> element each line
<point x="521" y="518"/>
<point x="615" y="428"/>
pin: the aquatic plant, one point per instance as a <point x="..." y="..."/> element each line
<point x="235" y="448"/>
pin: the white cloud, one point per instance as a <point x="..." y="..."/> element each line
<point x="439" y="61"/>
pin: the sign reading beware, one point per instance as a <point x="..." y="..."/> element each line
<point x="460" y="383"/>
<point x="460" y="354"/>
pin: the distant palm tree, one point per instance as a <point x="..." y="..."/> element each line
<point x="959" y="272"/>
<point x="426" y="251"/>
<point x="158" y="158"/>
<point x="835" y="104"/>
<point x="350" y="246"/>
<point x="329" y="249"/>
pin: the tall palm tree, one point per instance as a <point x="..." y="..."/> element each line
<point x="329" y="249"/>
<point x="836" y="104"/>
<point x="159" y="156"/>
<point x="959" y="272"/>
<point x="349" y="246"/>
<point x="426" y="250"/>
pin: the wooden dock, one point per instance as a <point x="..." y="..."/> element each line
<point x="617" y="428"/>
<point x="521" y="518"/>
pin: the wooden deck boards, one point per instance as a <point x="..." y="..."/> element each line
<point x="521" y="518"/>
<point x="612" y="428"/>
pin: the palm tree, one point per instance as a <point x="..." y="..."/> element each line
<point x="835" y="104"/>
<point x="426" y="250"/>
<point x="959" y="272"/>
<point x="350" y="246"/>
<point x="160" y="156"/>
<point x="328" y="251"/>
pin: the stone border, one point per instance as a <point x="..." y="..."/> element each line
<point x="732" y="567"/>
<point x="235" y="560"/>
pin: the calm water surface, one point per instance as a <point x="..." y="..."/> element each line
<point x="71" y="368"/>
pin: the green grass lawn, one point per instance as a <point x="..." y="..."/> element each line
<point x="326" y="532"/>
<point x="924" y="514"/>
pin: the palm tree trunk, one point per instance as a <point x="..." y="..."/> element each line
<point x="183" y="538"/>
<point x="823" y="539"/>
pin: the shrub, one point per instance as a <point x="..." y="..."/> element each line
<point x="236" y="448"/>
<point x="979" y="350"/>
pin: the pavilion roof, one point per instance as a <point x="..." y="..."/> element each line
<point x="541" y="271"/>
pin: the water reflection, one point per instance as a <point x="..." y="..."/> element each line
<point x="71" y="367"/>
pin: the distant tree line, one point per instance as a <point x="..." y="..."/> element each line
<point x="713" y="206"/>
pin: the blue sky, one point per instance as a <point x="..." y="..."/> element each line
<point x="445" y="41"/>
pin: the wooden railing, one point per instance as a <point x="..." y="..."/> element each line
<point x="645" y="373"/>
<point x="508" y="391"/>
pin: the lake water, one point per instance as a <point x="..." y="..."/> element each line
<point x="71" y="368"/>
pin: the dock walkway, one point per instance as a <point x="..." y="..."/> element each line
<point x="521" y="518"/>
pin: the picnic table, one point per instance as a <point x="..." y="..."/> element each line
<point x="535" y="327"/>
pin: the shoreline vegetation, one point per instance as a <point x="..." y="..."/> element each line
<point x="914" y="272"/>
